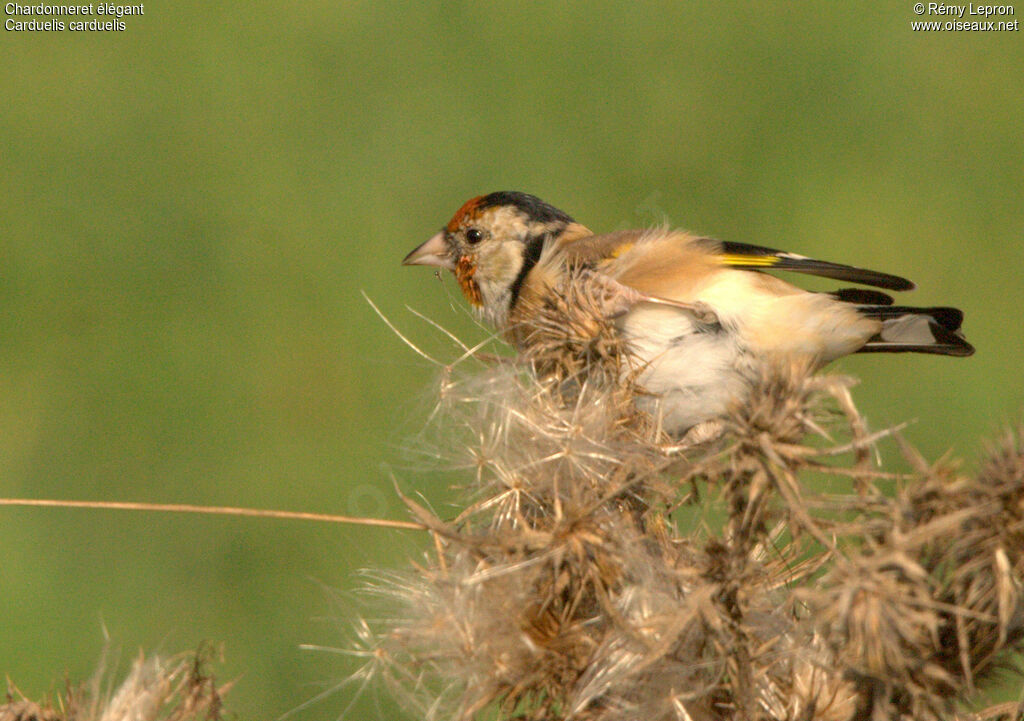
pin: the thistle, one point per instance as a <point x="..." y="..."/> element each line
<point x="602" y="570"/>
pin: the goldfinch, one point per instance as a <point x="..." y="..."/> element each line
<point x="700" y="315"/>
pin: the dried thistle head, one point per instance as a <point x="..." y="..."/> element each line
<point x="1002" y="477"/>
<point x="165" y="689"/>
<point x="25" y="710"/>
<point x="528" y="615"/>
<point x="879" y="613"/>
<point x="782" y="405"/>
<point x="564" y="590"/>
<point x="571" y="333"/>
<point x="926" y="603"/>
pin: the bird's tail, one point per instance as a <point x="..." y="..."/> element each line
<point x="917" y="330"/>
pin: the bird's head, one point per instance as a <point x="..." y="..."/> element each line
<point x="491" y="244"/>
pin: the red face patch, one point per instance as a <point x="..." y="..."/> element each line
<point x="464" y="271"/>
<point x="468" y="210"/>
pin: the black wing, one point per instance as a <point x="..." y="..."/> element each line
<point x="754" y="257"/>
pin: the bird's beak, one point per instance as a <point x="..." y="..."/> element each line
<point x="434" y="252"/>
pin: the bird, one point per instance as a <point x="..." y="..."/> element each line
<point x="701" y="316"/>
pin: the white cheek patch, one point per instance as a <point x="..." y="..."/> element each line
<point x="498" y="264"/>
<point x="499" y="257"/>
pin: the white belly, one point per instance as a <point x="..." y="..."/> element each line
<point x="693" y="371"/>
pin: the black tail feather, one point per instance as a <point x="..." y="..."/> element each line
<point x="917" y="330"/>
<point x="862" y="296"/>
<point x="949" y="318"/>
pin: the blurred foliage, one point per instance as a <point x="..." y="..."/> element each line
<point x="192" y="207"/>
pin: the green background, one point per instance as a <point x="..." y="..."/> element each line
<point x="192" y="207"/>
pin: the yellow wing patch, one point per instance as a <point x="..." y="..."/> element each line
<point x="763" y="261"/>
<point x="614" y="254"/>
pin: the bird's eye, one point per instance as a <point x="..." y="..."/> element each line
<point x="474" y="235"/>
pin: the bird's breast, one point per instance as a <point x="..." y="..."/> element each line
<point x="694" y="369"/>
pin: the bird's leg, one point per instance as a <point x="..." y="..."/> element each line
<point x="618" y="299"/>
<point x="703" y="432"/>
